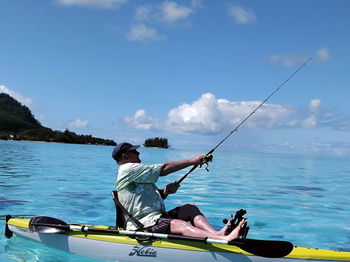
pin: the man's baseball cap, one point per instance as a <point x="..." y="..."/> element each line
<point x="123" y="148"/>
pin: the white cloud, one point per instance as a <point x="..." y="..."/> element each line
<point x="307" y="147"/>
<point x="140" y="121"/>
<point x="196" y="3"/>
<point x="313" y="117"/>
<point x="202" y="116"/>
<point x="322" y="55"/>
<point x="315" y="105"/>
<point x="242" y="15"/>
<point x="104" y="4"/>
<point x="166" y="11"/>
<point x="143" y="13"/>
<point x="23" y="100"/>
<point x="317" y="116"/>
<point x="78" y="123"/>
<point x="171" y="11"/>
<point x="329" y="148"/>
<point x="209" y="115"/>
<point x="143" y="33"/>
<point x="341" y="123"/>
<point x="309" y="122"/>
<point x="288" y="60"/>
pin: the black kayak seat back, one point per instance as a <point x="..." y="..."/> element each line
<point x="119" y="216"/>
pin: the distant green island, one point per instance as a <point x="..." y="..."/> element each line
<point x="156" y="142"/>
<point x="18" y="123"/>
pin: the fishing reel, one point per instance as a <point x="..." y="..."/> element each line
<point x="208" y="158"/>
<point x="235" y="222"/>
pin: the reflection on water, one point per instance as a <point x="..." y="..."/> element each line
<point x="303" y="199"/>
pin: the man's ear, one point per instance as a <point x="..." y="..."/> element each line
<point x="124" y="156"/>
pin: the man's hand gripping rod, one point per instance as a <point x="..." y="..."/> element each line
<point x="209" y="156"/>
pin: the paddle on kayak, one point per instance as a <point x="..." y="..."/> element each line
<point x="264" y="248"/>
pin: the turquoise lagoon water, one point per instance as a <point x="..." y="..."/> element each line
<point x="302" y="199"/>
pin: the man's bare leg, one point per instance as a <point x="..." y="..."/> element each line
<point x="181" y="227"/>
<point x="201" y="222"/>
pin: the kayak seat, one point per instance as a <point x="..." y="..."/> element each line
<point x="119" y="215"/>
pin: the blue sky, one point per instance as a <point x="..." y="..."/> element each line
<point x="186" y="70"/>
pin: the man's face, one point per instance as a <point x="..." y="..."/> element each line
<point x="133" y="156"/>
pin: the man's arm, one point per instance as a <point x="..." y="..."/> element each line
<point x="171" y="167"/>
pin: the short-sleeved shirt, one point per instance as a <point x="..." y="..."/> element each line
<point x="138" y="193"/>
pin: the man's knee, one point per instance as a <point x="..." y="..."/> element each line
<point x="178" y="226"/>
<point x="188" y="212"/>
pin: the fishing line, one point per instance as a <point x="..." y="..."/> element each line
<point x="209" y="156"/>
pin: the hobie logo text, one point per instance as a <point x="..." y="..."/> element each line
<point x="143" y="252"/>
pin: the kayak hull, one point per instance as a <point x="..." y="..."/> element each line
<point x="113" y="247"/>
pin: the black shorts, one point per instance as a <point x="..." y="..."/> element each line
<point x="162" y="226"/>
<point x="186" y="212"/>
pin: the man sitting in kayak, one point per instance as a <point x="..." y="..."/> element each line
<point x="138" y="193"/>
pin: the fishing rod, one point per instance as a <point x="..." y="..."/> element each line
<point x="209" y="156"/>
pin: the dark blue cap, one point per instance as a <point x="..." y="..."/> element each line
<point x="122" y="148"/>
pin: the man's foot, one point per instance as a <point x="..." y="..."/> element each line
<point x="225" y="230"/>
<point x="235" y="233"/>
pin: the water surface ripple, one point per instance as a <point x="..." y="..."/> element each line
<point x="302" y="199"/>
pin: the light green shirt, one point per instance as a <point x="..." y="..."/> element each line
<point x="138" y="193"/>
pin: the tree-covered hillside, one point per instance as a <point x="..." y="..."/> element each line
<point x="15" y="117"/>
<point x="18" y="123"/>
